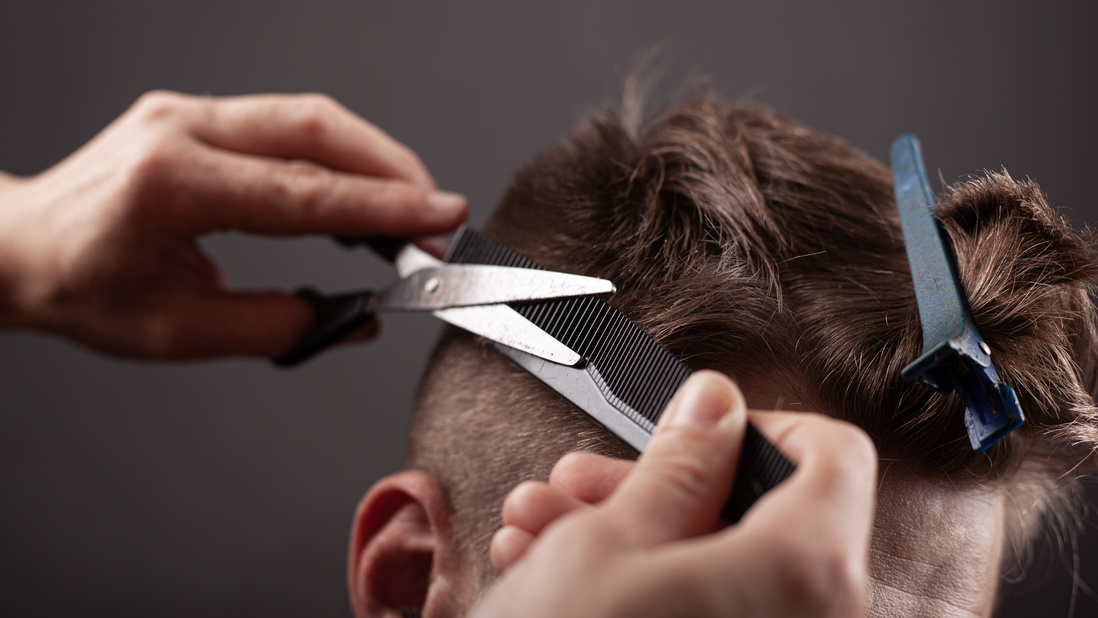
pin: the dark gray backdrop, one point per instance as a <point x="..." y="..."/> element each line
<point x="227" y="488"/>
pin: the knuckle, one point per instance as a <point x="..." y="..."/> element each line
<point x="821" y="582"/>
<point x="158" y="104"/>
<point x="305" y="185"/>
<point x="685" y="475"/>
<point x="151" y="169"/>
<point x="841" y="585"/>
<point x="851" y="454"/>
<point x="848" y="448"/>
<point x="315" y="116"/>
<point x="859" y="447"/>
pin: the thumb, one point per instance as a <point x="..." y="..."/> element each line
<point x="684" y="476"/>
<point x="241" y="324"/>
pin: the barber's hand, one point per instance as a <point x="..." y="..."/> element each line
<point x="102" y="247"/>
<point x="612" y="538"/>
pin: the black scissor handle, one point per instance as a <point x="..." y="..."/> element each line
<point x="334" y="319"/>
<point x="338" y="316"/>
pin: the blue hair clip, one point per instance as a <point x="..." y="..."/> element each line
<point x="955" y="357"/>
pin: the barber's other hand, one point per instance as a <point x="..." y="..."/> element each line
<point x="102" y="247"/>
<point x="611" y="538"/>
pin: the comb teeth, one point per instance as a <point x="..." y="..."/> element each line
<point x="636" y="375"/>
<point x="636" y="369"/>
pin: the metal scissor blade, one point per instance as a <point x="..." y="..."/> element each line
<point x="504" y="325"/>
<point x="464" y="285"/>
<point x="586" y="388"/>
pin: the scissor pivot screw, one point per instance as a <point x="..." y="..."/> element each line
<point x="431" y="285"/>
<point x="984" y="348"/>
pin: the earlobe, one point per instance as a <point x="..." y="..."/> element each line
<point x="401" y="554"/>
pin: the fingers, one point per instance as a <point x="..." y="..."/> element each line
<point x="265" y="324"/>
<point x="277" y="164"/>
<point x="589" y="477"/>
<point x="801" y="551"/>
<point x="509" y="543"/>
<point x="836" y="477"/>
<point x="527" y="511"/>
<point x="531" y="506"/>
<point x="811" y="533"/>
<point x="802" y="548"/>
<point x="680" y="482"/>
<point x="577" y="481"/>
<point x="270" y="196"/>
<point x="311" y="126"/>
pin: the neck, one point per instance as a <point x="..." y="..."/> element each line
<point x="936" y="548"/>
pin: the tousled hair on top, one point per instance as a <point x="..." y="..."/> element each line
<point x="748" y="243"/>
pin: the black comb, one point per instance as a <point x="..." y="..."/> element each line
<point x="627" y="378"/>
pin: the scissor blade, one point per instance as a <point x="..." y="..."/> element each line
<point x="504" y="325"/>
<point x="464" y="285"/>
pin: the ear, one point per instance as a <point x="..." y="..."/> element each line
<point x="402" y="553"/>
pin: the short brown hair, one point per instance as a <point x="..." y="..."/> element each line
<point x="748" y="243"/>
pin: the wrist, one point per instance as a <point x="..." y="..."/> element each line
<point x="13" y="262"/>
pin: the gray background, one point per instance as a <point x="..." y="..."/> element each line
<point x="227" y="488"/>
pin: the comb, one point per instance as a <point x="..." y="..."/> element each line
<point x="627" y="378"/>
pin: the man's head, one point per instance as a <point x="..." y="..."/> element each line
<point x="747" y="243"/>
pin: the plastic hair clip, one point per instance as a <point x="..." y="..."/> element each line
<point x="955" y="357"/>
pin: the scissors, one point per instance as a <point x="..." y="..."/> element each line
<point x="470" y="296"/>
<point x="626" y="382"/>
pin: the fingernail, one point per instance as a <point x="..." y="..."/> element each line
<point x="703" y="400"/>
<point x="446" y="203"/>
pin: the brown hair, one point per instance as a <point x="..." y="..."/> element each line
<point x="745" y="242"/>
